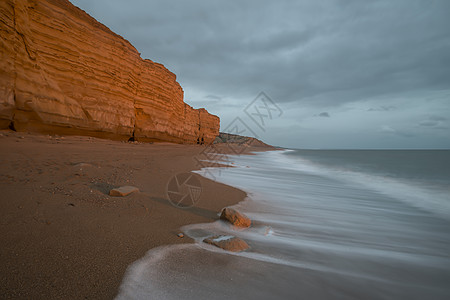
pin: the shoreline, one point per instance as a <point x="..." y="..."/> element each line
<point x="329" y="241"/>
<point x="63" y="236"/>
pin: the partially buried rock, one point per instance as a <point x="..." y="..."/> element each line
<point x="83" y="165"/>
<point x="227" y="242"/>
<point x="123" y="191"/>
<point x="234" y="217"/>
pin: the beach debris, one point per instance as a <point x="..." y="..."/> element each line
<point x="227" y="242"/>
<point x="234" y="217"/>
<point x="123" y="191"/>
<point x="180" y="235"/>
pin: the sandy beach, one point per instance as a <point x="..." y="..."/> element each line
<point x="64" y="237"/>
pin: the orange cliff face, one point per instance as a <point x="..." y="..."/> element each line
<point x="63" y="72"/>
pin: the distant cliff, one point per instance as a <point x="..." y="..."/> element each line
<point x="63" y="72"/>
<point x="240" y="140"/>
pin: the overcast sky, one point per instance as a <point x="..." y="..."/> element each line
<point x="338" y="74"/>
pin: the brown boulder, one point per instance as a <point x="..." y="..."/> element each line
<point x="234" y="217"/>
<point x="123" y="191"/>
<point x="227" y="242"/>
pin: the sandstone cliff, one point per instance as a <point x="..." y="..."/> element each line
<point x="63" y="72"/>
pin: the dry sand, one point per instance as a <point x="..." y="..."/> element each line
<point x="61" y="234"/>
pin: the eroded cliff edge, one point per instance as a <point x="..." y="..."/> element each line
<point x="63" y="72"/>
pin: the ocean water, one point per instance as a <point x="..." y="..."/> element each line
<point x="327" y="225"/>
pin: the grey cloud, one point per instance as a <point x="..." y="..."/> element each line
<point x="391" y="131"/>
<point x="387" y="129"/>
<point x="435" y="122"/>
<point x="324" y="114"/>
<point x="383" y="108"/>
<point x="213" y="97"/>
<point x="428" y="123"/>
<point x="293" y="50"/>
<point x="437" y="118"/>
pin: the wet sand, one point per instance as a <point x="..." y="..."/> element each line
<point x="63" y="236"/>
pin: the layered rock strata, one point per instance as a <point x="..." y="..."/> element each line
<point x="63" y="72"/>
